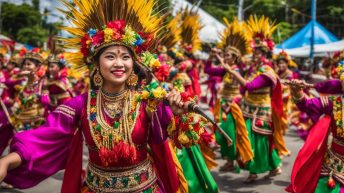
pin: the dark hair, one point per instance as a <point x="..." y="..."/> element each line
<point x="143" y="73"/>
<point x="36" y="62"/>
<point x="60" y="64"/>
<point x="279" y="59"/>
<point x="174" y="56"/>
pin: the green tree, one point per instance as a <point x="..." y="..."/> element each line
<point x="25" y="23"/>
<point x="35" y="35"/>
<point x="15" y="17"/>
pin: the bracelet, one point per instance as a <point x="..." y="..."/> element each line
<point x="297" y="100"/>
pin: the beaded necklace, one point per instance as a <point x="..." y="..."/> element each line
<point x="116" y="137"/>
<point x="338" y="114"/>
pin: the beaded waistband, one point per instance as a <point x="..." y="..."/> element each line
<point x="131" y="179"/>
<point x="334" y="163"/>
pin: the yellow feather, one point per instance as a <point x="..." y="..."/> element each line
<point x="86" y="14"/>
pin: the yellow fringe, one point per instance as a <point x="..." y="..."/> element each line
<point x="279" y="127"/>
<point x="242" y="141"/>
<point x="183" y="188"/>
<point x="208" y="155"/>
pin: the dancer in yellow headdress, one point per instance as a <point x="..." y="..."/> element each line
<point x="234" y="44"/>
<point x="262" y="103"/>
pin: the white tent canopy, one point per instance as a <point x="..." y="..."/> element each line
<point x="212" y="27"/>
<point x="319" y="50"/>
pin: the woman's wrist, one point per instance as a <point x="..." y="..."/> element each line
<point x="297" y="97"/>
<point x="11" y="161"/>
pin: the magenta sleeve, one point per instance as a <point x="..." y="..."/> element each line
<point x="44" y="150"/>
<point x="329" y="87"/>
<point x="260" y="81"/>
<point x="213" y="71"/>
<point x="314" y="108"/>
<point x="161" y="119"/>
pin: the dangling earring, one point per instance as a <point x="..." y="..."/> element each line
<point x="97" y="78"/>
<point x="132" y="79"/>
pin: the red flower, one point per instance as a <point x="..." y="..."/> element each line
<point x="116" y="35"/>
<point x="139" y="49"/>
<point x="84" y="39"/>
<point x="145" y="36"/>
<point x="84" y="50"/>
<point x="119" y="25"/>
<point x="270" y="44"/>
<point x="163" y="72"/>
<point x="98" y="38"/>
<point x="35" y="50"/>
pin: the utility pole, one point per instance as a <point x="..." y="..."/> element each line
<point x="241" y="10"/>
<point x="313" y="19"/>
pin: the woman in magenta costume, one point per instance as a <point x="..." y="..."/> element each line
<point x="117" y="121"/>
<point x="57" y="86"/>
<point x="26" y="109"/>
<point x="262" y="104"/>
<point x="318" y="166"/>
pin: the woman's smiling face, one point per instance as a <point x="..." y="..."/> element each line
<point x="116" y="64"/>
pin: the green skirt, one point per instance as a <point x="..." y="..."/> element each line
<point x="195" y="171"/>
<point x="263" y="159"/>
<point x="322" y="186"/>
<point x="229" y="127"/>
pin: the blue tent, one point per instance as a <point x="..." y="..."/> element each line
<point x="303" y="37"/>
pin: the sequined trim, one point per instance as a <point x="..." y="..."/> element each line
<point x="134" y="179"/>
<point x="324" y="101"/>
<point x="65" y="110"/>
<point x="256" y="111"/>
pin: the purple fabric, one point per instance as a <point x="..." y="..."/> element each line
<point x="160" y="121"/>
<point x="314" y="108"/>
<point x="213" y="71"/>
<point x="44" y="150"/>
<point x="259" y="82"/>
<point x="329" y="87"/>
<point x="45" y="99"/>
<point x="215" y="77"/>
<point x="6" y="131"/>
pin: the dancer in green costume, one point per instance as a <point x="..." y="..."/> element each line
<point x="262" y="104"/>
<point x="234" y="45"/>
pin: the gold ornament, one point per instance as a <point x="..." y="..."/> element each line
<point x="97" y="78"/>
<point x="132" y="79"/>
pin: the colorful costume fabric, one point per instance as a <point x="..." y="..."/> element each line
<point x="263" y="108"/>
<point x="52" y="154"/>
<point x="317" y="165"/>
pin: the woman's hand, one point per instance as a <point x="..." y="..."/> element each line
<point x="223" y="64"/>
<point x="296" y="88"/>
<point x="9" y="162"/>
<point x="3" y="170"/>
<point x="176" y="103"/>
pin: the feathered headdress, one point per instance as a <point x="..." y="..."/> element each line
<point x="57" y="58"/>
<point x="97" y="24"/>
<point x="284" y="56"/>
<point x="234" y="38"/>
<point x="260" y="30"/>
<point x="191" y="26"/>
<point x="34" y="54"/>
<point x="171" y="34"/>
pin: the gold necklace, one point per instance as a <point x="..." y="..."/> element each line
<point x="105" y="135"/>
